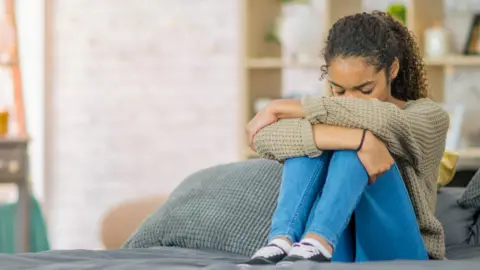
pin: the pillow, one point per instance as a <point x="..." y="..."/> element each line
<point x="458" y="223"/>
<point x="226" y="208"/>
<point x="447" y="168"/>
<point x="471" y="196"/>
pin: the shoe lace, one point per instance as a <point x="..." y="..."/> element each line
<point x="268" y="251"/>
<point x="304" y="251"/>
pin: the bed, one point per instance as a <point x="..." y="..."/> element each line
<point x="182" y="258"/>
<point x="219" y="216"/>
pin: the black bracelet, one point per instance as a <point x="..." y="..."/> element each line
<point x="363" y="139"/>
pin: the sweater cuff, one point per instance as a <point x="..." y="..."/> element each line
<point x="308" y="140"/>
<point x="314" y="109"/>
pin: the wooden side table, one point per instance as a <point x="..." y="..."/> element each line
<point x="14" y="169"/>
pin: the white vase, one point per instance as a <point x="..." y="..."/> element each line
<point x="437" y="42"/>
<point x="300" y="32"/>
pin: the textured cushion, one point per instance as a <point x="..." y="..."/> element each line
<point x="471" y="197"/>
<point x="447" y="170"/>
<point x="460" y="224"/>
<point x="226" y="208"/>
<point x="229" y="208"/>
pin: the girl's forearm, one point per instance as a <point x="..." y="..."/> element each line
<point x="337" y="138"/>
<point x="287" y="108"/>
<point x="327" y="137"/>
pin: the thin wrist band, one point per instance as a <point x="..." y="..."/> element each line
<point x="363" y="139"/>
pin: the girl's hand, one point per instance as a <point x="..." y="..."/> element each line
<point x="375" y="157"/>
<point x="263" y="118"/>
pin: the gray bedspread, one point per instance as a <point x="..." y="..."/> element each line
<point x="177" y="258"/>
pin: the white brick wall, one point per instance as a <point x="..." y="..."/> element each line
<point x="144" y="93"/>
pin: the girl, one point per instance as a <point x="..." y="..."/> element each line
<point x="359" y="181"/>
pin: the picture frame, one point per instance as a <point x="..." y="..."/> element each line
<point x="472" y="46"/>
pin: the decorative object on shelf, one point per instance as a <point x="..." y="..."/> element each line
<point x="272" y="34"/>
<point x="398" y="11"/>
<point x="300" y="31"/>
<point x="473" y="43"/>
<point x="437" y="41"/>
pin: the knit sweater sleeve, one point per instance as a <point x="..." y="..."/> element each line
<point x="408" y="133"/>
<point x="285" y="139"/>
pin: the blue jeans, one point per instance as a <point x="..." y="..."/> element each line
<point x="330" y="196"/>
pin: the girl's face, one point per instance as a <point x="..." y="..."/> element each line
<point x="354" y="77"/>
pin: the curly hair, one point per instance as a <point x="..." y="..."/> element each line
<point x="379" y="39"/>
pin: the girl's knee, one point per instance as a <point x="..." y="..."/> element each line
<point x="345" y="154"/>
<point x="308" y="161"/>
<point x="347" y="159"/>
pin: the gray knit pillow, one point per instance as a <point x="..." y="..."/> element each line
<point x="471" y="196"/>
<point x="225" y="208"/>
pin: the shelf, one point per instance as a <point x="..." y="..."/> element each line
<point x="467" y="153"/>
<point x="278" y="63"/>
<point x="272" y="62"/>
<point x="469" y="158"/>
<point x="262" y="62"/>
<point x="455" y="60"/>
<point x="13" y="139"/>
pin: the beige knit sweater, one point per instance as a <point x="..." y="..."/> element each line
<point x="415" y="136"/>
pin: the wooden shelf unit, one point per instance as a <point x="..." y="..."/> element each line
<point x="262" y="64"/>
<point x="272" y="62"/>
<point x="454" y="61"/>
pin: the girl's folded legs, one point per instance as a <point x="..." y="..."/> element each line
<point x="317" y="199"/>
<point x="302" y="178"/>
